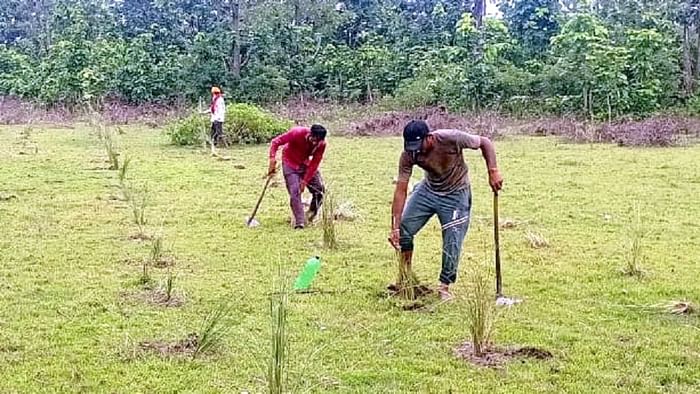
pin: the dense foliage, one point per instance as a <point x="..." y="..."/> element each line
<point x="599" y="59"/>
<point x="245" y="124"/>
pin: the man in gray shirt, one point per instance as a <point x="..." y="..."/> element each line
<point x="445" y="192"/>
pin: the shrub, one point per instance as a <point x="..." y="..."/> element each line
<point x="414" y="93"/>
<point x="245" y="124"/>
<point x="187" y="131"/>
<point x="692" y="106"/>
<point x="248" y="124"/>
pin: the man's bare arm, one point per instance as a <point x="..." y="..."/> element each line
<point x="400" y="193"/>
<point x="489" y="153"/>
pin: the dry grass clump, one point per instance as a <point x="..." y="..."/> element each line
<point x="536" y="240"/>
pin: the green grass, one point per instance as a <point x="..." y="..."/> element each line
<point x="67" y="259"/>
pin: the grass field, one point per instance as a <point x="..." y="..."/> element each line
<point x="70" y="322"/>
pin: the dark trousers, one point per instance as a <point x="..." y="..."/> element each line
<point x="293" y="180"/>
<point x="217" y="132"/>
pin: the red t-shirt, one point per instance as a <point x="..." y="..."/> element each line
<point x="299" y="151"/>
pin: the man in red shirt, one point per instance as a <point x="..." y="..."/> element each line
<point x="302" y="154"/>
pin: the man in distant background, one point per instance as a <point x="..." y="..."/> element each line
<point x="302" y="154"/>
<point x="217" y="109"/>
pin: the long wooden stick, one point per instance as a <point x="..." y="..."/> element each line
<point x="496" y="240"/>
<point x="257" y="205"/>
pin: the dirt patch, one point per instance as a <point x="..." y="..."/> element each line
<point x="7" y="197"/>
<point x="304" y="110"/>
<point x="131" y="261"/>
<point x="157" y="297"/>
<point x="392" y="123"/>
<point x="413" y="306"/>
<point x="663" y="130"/>
<point x="653" y="131"/>
<point x="507" y="224"/>
<point x="531" y="352"/>
<point x="681" y="308"/>
<point x="164" y="262"/>
<point x="220" y="157"/>
<point x="420" y="303"/>
<point x="420" y="290"/>
<point x="140" y="237"/>
<point x="495" y="357"/>
<point x="184" y="347"/>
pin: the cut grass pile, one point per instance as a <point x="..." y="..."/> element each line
<point x="65" y="328"/>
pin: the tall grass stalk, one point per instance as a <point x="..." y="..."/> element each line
<point x="634" y="257"/>
<point x="214" y="328"/>
<point x="407" y="281"/>
<point x="481" y="308"/>
<point x="26" y="133"/>
<point x="121" y="175"/>
<point x="138" y="203"/>
<point x="110" y="147"/>
<point x="278" y="356"/>
<point x="207" y="142"/>
<point x="330" y="236"/>
<point x="156" y="248"/>
<point x="145" y="276"/>
<point x="169" y="284"/>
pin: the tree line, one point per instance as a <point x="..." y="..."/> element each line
<point x="597" y="58"/>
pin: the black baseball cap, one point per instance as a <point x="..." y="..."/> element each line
<point x="413" y="135"/>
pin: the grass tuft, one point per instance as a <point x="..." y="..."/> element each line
<point x="169" y="285"/>
<point x="276" y="375"/>
<point x="481" y="308"/>
<point x="138" y="201"/>
<point x="109" y="146"/>
<point x="346" y="211"/>
<point x="121" y="175"/>
<point x="536" y="240"/>
<point x="214" y="329"/>
<point x="634" y="256"/>
<point x="330" y="236"/>
<point x="156" y="249"/>
<point x="145" y="278"/>
<point x="407" y="280"/>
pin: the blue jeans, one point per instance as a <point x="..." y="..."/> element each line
<point x="453" y="211"/>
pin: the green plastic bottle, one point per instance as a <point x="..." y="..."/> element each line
<point x="307" y="275"/>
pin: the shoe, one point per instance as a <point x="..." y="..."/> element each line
<point x="298" y="227"/>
